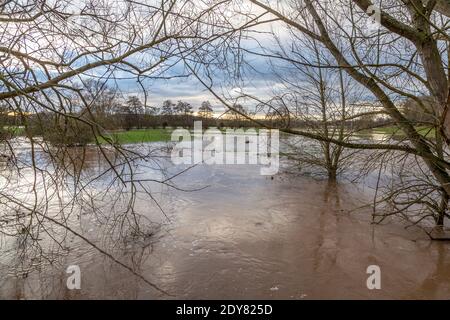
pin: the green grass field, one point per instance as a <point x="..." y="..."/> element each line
<point x="163" y="135"/>
<point x="139" y="136"/>
<point x="15" y="130"/>
<point x="146" y="135"/>
<point x="392" y="130"/>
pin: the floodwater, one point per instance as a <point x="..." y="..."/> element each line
<point x="247" y="236"/>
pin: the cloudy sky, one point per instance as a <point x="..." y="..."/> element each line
<point x="258" y="80"/>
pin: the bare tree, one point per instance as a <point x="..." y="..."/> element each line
<point x="50" y="52"/>
<point x="205" y="110"/>
<point x="320" y="100"/>
<point x="405" y="58"/>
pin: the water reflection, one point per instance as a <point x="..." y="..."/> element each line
<point x="248" y="236"/>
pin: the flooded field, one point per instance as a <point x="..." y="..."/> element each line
<point x="247" y="236"/>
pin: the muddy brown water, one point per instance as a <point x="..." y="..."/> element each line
<point x="247" y="236"/>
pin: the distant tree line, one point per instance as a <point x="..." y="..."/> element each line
<point x="105" y="109"/>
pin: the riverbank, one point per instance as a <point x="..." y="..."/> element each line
<point x="136" y="136"/>
<point x="397" y="132"/>
<point x="139" y="136"/>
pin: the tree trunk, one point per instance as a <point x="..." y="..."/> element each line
<point x="442" y="209"/>
<point x="332" y="174"/>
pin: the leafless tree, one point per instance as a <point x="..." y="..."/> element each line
<point x="321" y="100"/>
<point x="205" y="110"/>
<point x="56" y="56"/>
<point x="405" y="58"/>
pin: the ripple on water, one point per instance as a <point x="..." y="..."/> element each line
<point x="248" y="236"/>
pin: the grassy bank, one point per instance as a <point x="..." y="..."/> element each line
<point x="148" y="135"/>
<point x="164" y="135"/>
<point x="393" y="130"/>
<point x="139" y="136"/>
<point x="14" y="130"/>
